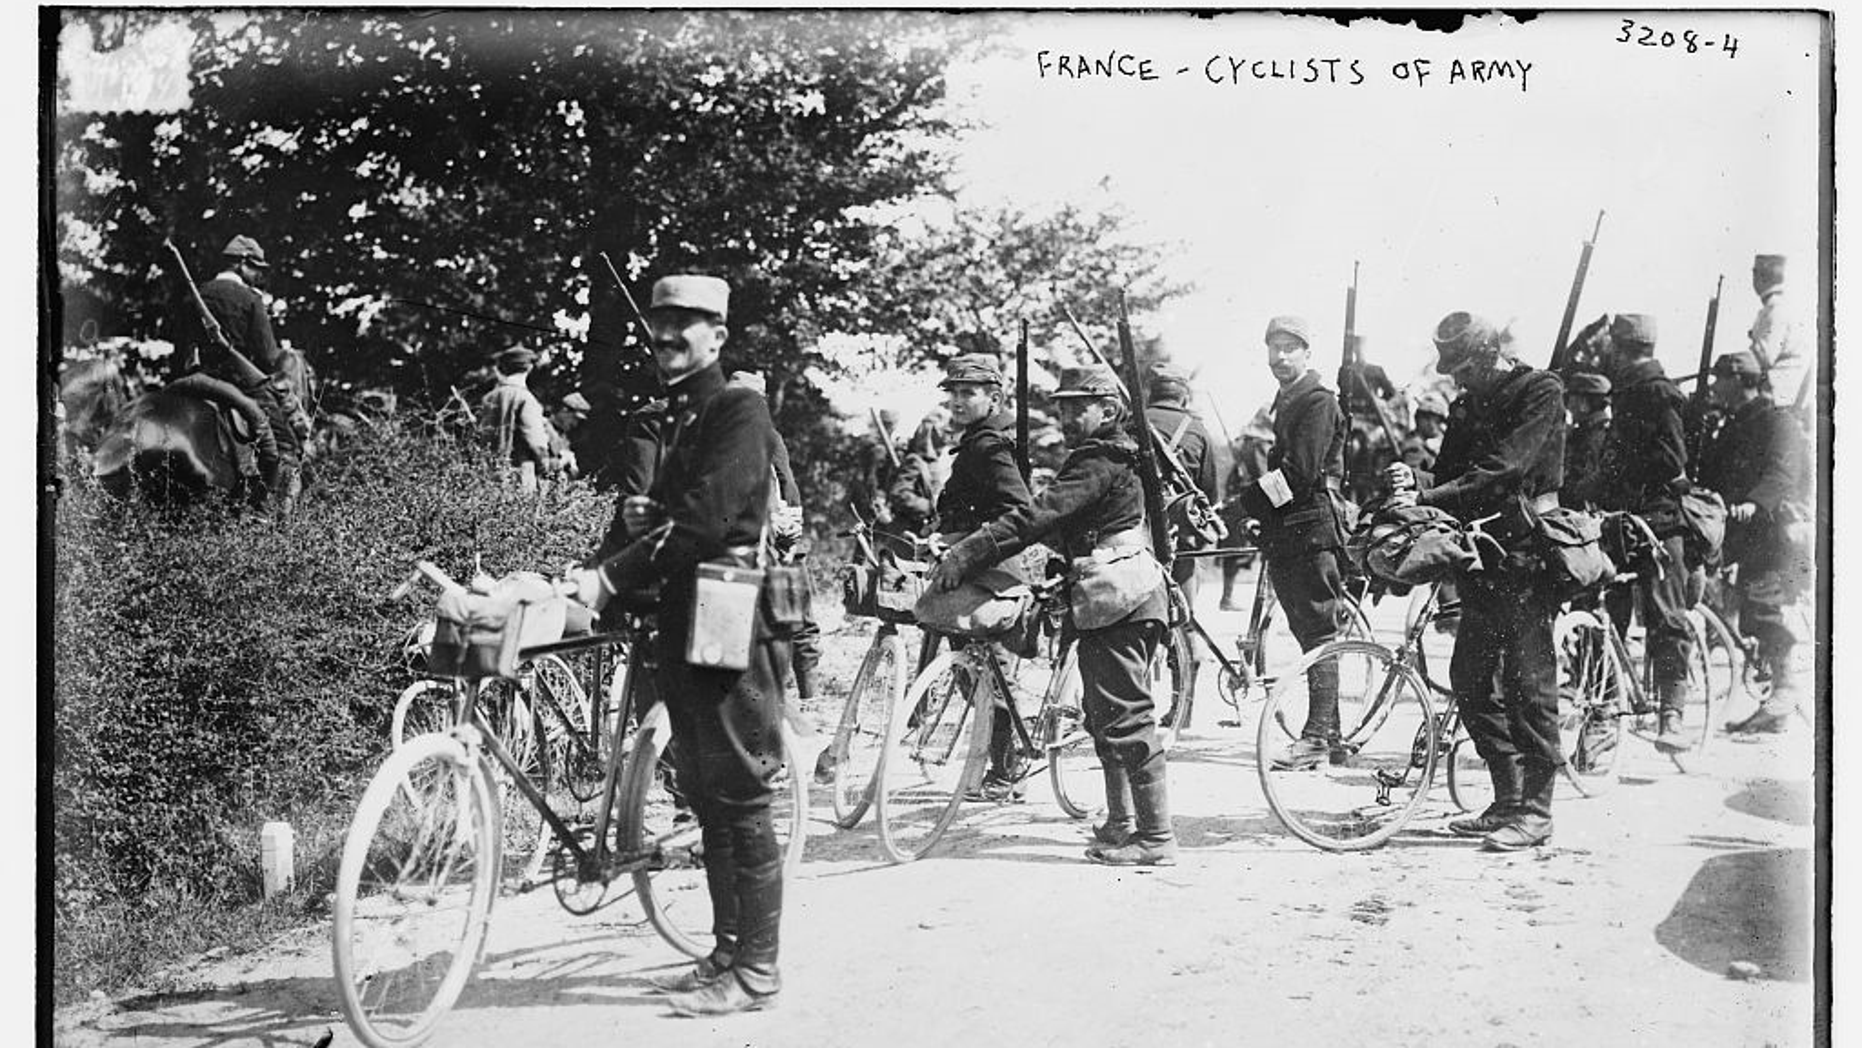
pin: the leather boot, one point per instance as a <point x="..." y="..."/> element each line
<point x="1674" y="696"/>
<point x="752" y="981"/>
<point x="1505" y="773"/>
<point x="1153" y="841"/>
<point x="1322" y="702"/>
<point x="1117" y="828"/>
<point x="1531" y="822"/>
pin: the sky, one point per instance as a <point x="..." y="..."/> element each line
<point x="1449" y="193"/>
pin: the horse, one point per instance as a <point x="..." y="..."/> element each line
<point x="174" y="445"/>
<point x="91" y="393"/>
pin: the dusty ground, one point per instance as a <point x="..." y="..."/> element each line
<point x="1620" y="932"/>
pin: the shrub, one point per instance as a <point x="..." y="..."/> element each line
<point x="214" y="670"/>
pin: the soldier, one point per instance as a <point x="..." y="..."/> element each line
<point x="709" y="501"/>
<point x="984" y="485"/>
<point x="1425" y="441"/>
<point x="1587" y="404"/>
<point x="240" y="310"/>
<point x="1644" y="471"/>
<point x="913" y="489"/>
<point x="1179" y="430"/>
<point x="1782" y="343"/>
<point x="1250" y="462"/>
<point x="1757" y="464"/>
<point x="1096" y="503"/>
<point x="1302" y="537"/>
<point x="1505" y="442"/>
<point x="510" y="418"/>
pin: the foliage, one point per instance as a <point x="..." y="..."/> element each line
<point x="214" y="670"/>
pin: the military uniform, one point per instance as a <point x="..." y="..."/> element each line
<point x="1759" y="458"/>
<point x="511" y="419"/>
<point x="1173" y="424"/>
<point x="714" y="481"/>
<point x="1302" y="534"/>
<point x="984" y="480"/>
<point x="1096" y="501"/>
<point x="244" y="319"/>
<point x="1504" y="444"/>
<point x="1585" y="438"/>
<point x="1644" y="471"/>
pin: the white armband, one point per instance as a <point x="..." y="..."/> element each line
<point x="1274" y="486"/>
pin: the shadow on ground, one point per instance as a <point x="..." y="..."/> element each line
<point x="1745" y="906"/>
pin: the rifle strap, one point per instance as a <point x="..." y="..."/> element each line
<point x="1177" y="437"/>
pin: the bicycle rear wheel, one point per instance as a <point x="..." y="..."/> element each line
<point x="1726" y="657"/>
<point x="1593" y="690"/>
<point x="1073" y="767"/>
<point x="1469" y="784"/>
<point x="1702" y="693"/>
<point x="658" y="827"/>
<point x="1383" y="771"/>
<point x="414" y="891"/>
<point x="860" y="737"/>
<point x="935" y="753"/>
<point x="1172" y="687"/>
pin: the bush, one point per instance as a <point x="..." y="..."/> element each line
<point x="214" y="670"/>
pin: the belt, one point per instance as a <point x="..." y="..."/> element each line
<point x="1135" y="536"/>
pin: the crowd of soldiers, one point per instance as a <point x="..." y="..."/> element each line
<point x="711" y="482"/>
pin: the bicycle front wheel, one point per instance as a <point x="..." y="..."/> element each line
<point x="426" y="706"/>
<point x="1593" y="690"/>
<point x="1702" y="692"/>
<point x="414" y="891"/>
<point x="570" y="743"/>
<point x="860" y="737"/>
<point x="935" y="752"/>
<point x="660" y="831"/>
<point x="1073" y="767"/>
<point x="1370" y="785"/>
<point x="1469" y="784"/>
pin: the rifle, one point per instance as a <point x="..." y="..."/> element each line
<point x="639" y="317"/>
<point x="1090" y="348"/>
<point x="1147" y="452"/>
<point x="1351" y="365"/>
<point x="1021" y="403"/>
<point x="1697" y="413"/>
<point x="1571" y="301"/>
<point x="885" y="437"/>
<point x="249" y="373"/>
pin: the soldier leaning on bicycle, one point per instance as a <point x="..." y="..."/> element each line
<point x="1504" y="454"/>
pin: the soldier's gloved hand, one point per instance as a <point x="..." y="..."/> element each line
<point x="944" y="577"/>
<point x="1400" y="478"/>
<point x="1742" y="512"/>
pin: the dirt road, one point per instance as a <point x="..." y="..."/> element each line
<point x="1622" y="931"/>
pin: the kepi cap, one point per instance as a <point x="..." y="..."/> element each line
<point x="1742" y="362"/>
<point x="1587" y="382"/>
<point x="578" y="403"/>
<point x="978" y="368"/>
<point x="1633" y="327"/>
<point x="1460" y="334"/>
<point x="1090" y="380"/>
<point x="691" y="291"/>
<point x="521" y="356"/>
<point x="247" y="248"/>
<point x="1288" y="324"/>
<point x="1432" y="404"/>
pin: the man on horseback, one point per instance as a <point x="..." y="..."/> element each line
<point x="236" y="306"/>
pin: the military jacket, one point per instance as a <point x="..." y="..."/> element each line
<point x="911" y="494"/>
<point x="1309" y="453"/>
<point x="247" y="324"/>
<point x="984" y="481"/>
<point x="1096" y="493"/>
<point x="1505" y="443"/>
<point x="714" y="479"/>
<point x="1758" y="457"/>
<point x="1583" y="454"/>
<point x="1644" y="463"/>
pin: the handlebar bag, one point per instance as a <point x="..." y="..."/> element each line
<point x="992" y="603"/>
<point x="479" y="635"/>
<point x="1411" y="546"/>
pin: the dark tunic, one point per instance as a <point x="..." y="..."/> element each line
<point x="1507" y="442"/>
<point x="248" y="326"/>
<point x="1758" y="457"/>
<point x="1644" y="465"/>
<point x="984" y="481"/>
<point x="1309" y="452"/>
<point x="1584" y="443"/>
<point x="1194" y="449"/>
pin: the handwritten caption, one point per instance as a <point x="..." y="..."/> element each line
<point x="1693" y="41"/>
<point x="1230" y="70"/>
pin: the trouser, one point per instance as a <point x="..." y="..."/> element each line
<point x="1664" y="605"/>
<point x="1506" y="626"/>
<point x="1115" y="696"/>
<point x="1308" y="585"/>
<point x="727" y="746"/>
<point x="1764" y="622"/>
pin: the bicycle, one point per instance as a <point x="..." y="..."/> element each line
<point x="1392" y="736"/>
<point x="938" y="734"/>
<point x="423" y="855"/>
<point x="1595" y="664"/>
